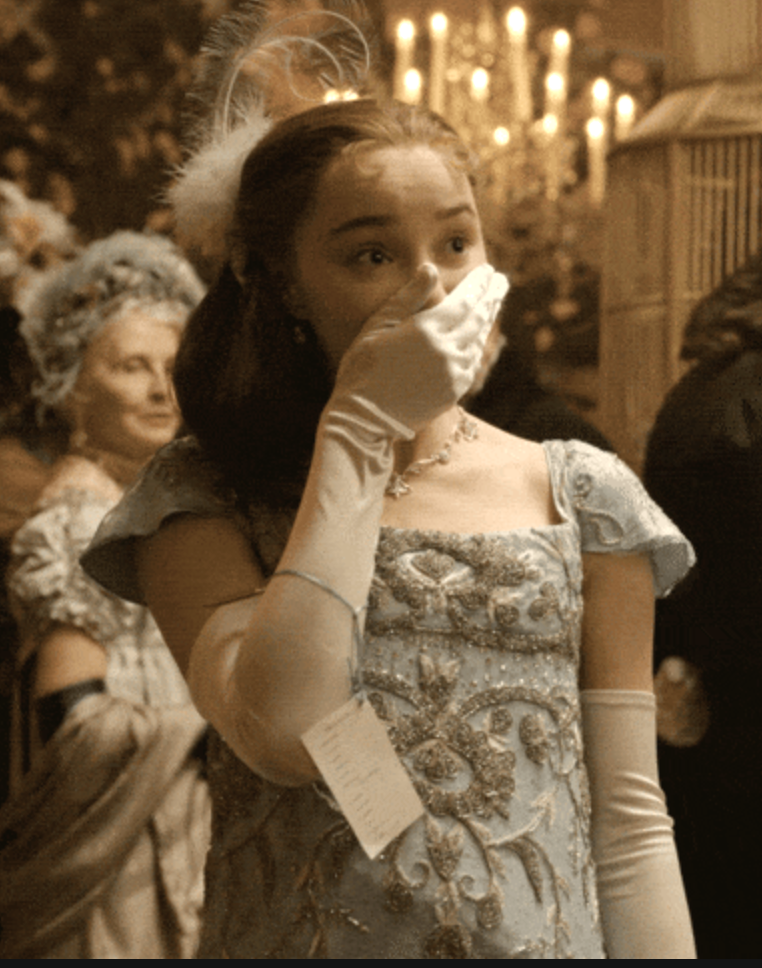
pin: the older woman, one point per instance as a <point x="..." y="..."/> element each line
<point x="104" y="836"/>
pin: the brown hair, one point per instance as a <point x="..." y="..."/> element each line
<point x="251" y="379"/>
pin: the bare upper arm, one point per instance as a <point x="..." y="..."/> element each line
<point x="65" y="656"/>
<point x="188" y="569"/>
<point x="618" y="622"/>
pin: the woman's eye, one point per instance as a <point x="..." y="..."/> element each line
<point x="372" y="257"/>
<point x="459" y="244"/>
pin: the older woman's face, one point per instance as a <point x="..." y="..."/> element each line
<point x="123" y="398"/>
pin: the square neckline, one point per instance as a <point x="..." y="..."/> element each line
<point x="549" y="447"/>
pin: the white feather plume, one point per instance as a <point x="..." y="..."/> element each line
<point x="256" y="68"/>
<point x="204" y="194"/>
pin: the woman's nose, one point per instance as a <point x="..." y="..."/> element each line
<point x="160" y="386"/>
<point x="447" y="281"/>
<point x="436" y="297"/>
<point x="438" y="293"/>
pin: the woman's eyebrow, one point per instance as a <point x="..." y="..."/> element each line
<point x="455" y="210"/>
<point x="362" y="222"/>
<point x="380" y="221"/>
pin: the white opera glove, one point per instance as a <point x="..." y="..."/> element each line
<point x="408" y="365"/>
<point x="642" y="900"/>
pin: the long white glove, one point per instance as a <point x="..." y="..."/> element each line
<point x="640" y="889"/>
<point x="288" y="665"/>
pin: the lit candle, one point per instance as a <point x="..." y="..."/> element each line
<point x="601" y="98"/>
<point x="413" y="82"/>
<point x="480" y="85"/>
<point x="500" y="168"/>
<point x="333" y="95"/>
<point x="480" y="96"/>
<point x="555" y="96"/>
<point x="550" y="127"/>
<point x="625" y="116"/>
<point x="516" y="22"/>
<point x="502" y="137"/>
<point x="404" y="50"/>
<point x="438" y="69"/>
<point x="596" y="160"/>
<point x="559" y="53"/>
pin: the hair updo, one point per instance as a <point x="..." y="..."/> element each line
<point x="252" y="379"/>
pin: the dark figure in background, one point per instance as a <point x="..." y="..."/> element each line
<point x="508" y="392"/>
<point x="704" y="467"/>
<point x="26" y="456"/>
<point x="513" y="399"/>
<point x="34" y="237"/>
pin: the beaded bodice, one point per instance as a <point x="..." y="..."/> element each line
<point x="471" y="657"/>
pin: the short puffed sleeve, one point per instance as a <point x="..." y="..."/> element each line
<point x="46" y="583"/>
<point x="615" y="514"/>
<point x="179" y="480"/>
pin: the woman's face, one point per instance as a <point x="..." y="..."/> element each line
<point x="123" y="399"/>
<point x="377" y="217"/>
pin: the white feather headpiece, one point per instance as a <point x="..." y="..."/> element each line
<point x="257" y="68"/>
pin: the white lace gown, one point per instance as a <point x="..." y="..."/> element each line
<point x="471" y="660"/>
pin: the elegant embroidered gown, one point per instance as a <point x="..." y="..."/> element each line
<point x="471" y="660"/>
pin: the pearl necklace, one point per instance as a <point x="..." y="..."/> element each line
<point x="466" y="429"/>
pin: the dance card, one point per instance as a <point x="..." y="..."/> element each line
<point x="353" y="752"/>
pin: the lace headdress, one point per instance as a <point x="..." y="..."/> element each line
<point x="260" y="65"/>
<point x="68" y="305"/>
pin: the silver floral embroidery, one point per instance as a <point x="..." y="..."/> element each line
<point x="461" y="744"/>
<point x="608" y="528"/>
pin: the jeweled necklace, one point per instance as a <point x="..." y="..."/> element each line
<point x="466" y="429"/>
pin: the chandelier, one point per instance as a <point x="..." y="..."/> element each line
<point x="480" y="73"/>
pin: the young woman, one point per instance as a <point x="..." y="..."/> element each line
<point x="104" y="836"/>
<point x="505" y="588"/>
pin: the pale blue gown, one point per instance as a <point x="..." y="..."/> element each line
<point x="471" y="659"/>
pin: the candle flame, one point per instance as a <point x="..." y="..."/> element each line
<point x="439" y="24"/>
<point x="480" y="80"/>
<point x="625" y="106"/>
<point x="550" y="124"/>
<point x="555" y="82"/>
<point x="596" y="128"/>
<point x="562" y="39"/>
<point x="333" y="95"/>
<point x="601" y="90"/>
<point x="516" y="20"/>
<point x="502" y="136"/>
<point x="413" y="83"/>
<point x="406" y="30"/>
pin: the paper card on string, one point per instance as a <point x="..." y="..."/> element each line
<point x="353" y="752"/>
